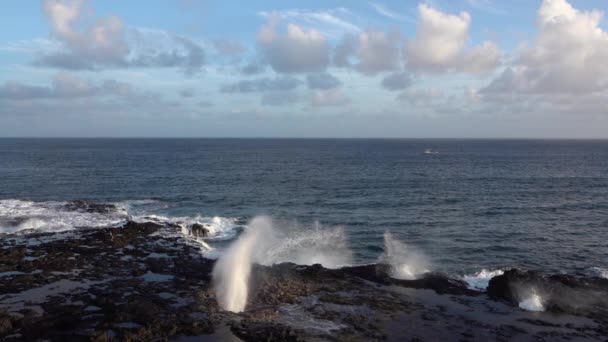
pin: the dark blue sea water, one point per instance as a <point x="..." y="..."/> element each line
<point x="476" y="204"/>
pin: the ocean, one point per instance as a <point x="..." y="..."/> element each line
<point x="466" y="206"/>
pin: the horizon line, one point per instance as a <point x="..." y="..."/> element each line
<point x="304" y="138"/>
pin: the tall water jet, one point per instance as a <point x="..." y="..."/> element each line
<point x="406" y="262"/>
<point x="232" y="270"/>
<point x="263" y="244"/>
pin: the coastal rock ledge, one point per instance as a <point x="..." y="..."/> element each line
<point x="132" y="284"/>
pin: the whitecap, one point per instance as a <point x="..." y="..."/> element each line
<point x="18" y="216"/>
<point x="480" y="280"/>
<point x="599" y="272"/>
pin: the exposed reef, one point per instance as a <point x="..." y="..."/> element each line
<point x="133" y="284"/>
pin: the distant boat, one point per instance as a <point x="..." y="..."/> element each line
<point x="430" y="151"/>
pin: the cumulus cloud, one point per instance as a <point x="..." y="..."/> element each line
<point x="370" y="52"/>
<point x="378" y="51"/>
<point x="329" y="97"/>
<point x="184" y="53"/>
<point x="397" y="81"/>
<point x="345" y="51"/>
<point x="568" y="56"/>
<point x="283" y="83"/>
<point x="103" y="42"/>
<point x="322" y="81"/>
<point x="440" y="44"/>
<point x="294" y="51"/>
<point x="63" y="86"/>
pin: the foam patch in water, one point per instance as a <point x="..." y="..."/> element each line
<point x="26" y="216"/>
<point x="480" y="280"/>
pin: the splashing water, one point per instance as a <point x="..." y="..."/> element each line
<point x="480" y="280"/>
<point x="328" y="247"/>
<point x="262" y="243"/>
<point x="232" y="270"/>
<point x="534" y="302"/>
<point x="406" y="262"/>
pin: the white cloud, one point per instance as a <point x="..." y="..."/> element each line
<point x="105" y="42"/>
<point x="370" y="52"/>
<point x="296" y="50"/>
<point x="568" y="56"/>
<point x="378" y="51"/>
<point x="63" y="86"/>
<point x="440" y="44"/>
<point x="102" y="41"/>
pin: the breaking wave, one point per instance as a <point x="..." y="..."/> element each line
<point x="599" y="272"/>
<point x="23" y="217"/>
<point x="17" y="216"/>
<point x="480" y="280"/>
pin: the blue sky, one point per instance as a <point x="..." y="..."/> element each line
<point x="464" y="68"/>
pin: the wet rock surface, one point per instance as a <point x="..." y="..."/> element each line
<point x="136" y="283"/>
<point x="91" y="207"/>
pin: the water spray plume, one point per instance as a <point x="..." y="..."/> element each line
<point x="231" y="272"/>
<point x="405" y="261"/>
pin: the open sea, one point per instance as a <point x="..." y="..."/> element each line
<point x="468" y="205"/>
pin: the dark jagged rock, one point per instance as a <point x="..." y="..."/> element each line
<point x="198" y="230"/>
<point x="559" y="293"/>
<point x="145" y="228"/>
<point x="129" y="284"/>
<point x="91" y="207"/>
<point x="5" y="324"/>
<point x="440" y="283"/>
<point x="249" y="330"/>
<point x="377" y="273"/>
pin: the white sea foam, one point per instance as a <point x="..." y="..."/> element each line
<point x="17" y="216"/>
<point x="220" y="228"/>
<point x="532" y="302"/>
<point x="22" y="216"/>
<point x="480" y="280"/>
<point x="406" y="262"/>
<point x="599" y="272"/>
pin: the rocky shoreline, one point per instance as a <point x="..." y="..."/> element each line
<point x="133" y="284"/>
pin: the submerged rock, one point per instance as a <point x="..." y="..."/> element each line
<point x="91" y="207"/>
<point x="198" y="230"/>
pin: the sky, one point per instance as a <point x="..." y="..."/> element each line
<point x="285" y="68"/>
